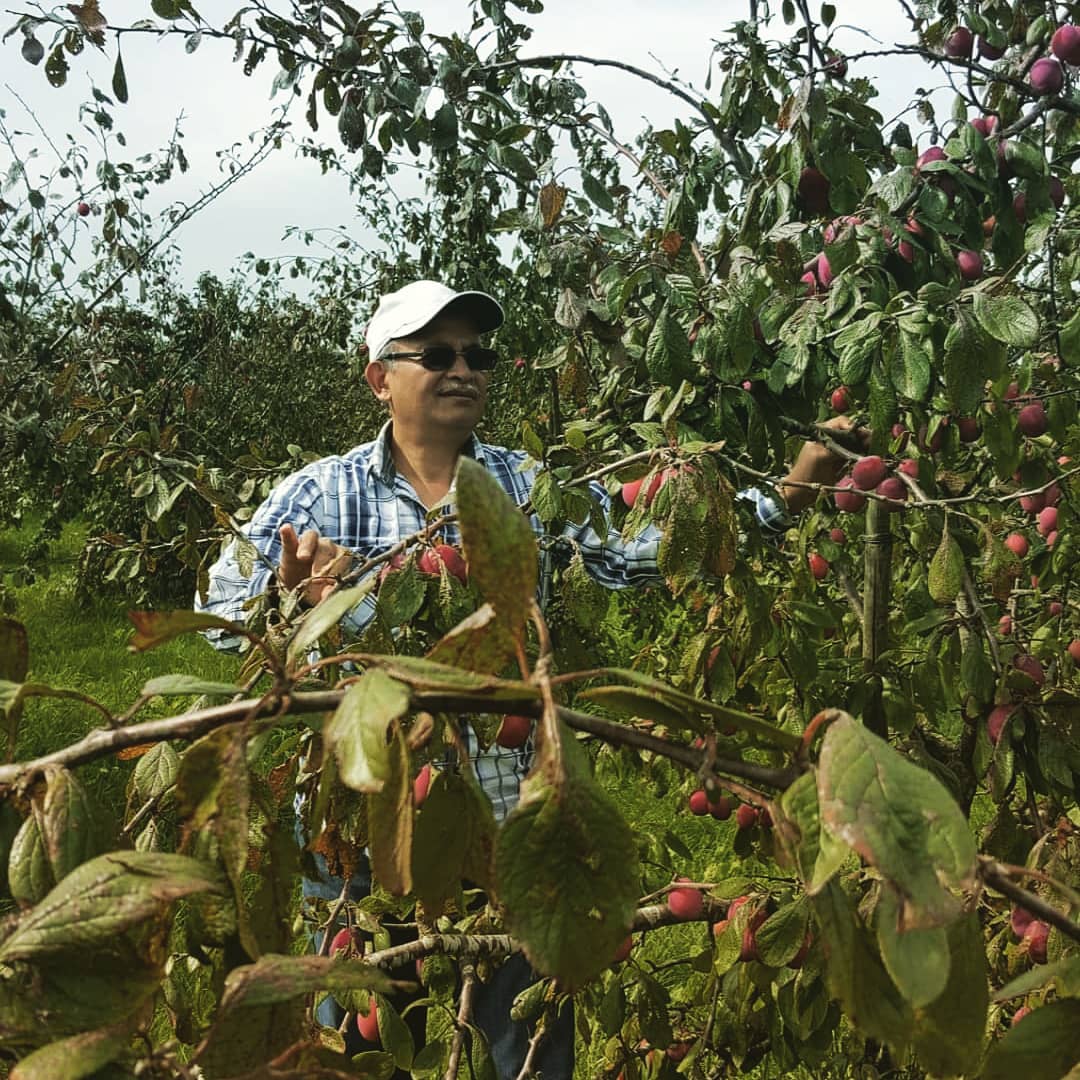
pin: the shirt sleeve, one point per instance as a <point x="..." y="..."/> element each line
<point x="296" y="501"/>
<point x="771" y="514"/>
<point x="621" y="564"/>
<point x="614" y="562"/>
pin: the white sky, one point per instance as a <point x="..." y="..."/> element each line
<point x="222" y="107"/>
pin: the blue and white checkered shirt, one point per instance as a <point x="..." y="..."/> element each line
<point x="361" y="502"/>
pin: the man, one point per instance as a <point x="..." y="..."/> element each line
<point x="428" y="366"/>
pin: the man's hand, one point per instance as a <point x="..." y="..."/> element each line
<point x="817" y="464"/>
<point x="310" y="556"/>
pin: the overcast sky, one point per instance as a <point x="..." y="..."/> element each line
<point x="221" y="107"/>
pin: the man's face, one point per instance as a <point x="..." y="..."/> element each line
<point x="451" y="400"/>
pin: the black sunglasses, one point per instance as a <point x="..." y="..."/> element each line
<point x="442" y="357"/>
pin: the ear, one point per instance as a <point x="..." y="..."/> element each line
<point x="376" y="373"/>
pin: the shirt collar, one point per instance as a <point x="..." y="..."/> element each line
<point x="382" y="456"/>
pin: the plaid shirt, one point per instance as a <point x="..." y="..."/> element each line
<point x="359" y="501"/>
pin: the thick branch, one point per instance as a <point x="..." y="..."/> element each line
<point x="102" y="743"/>
<point x="477" y="946"/>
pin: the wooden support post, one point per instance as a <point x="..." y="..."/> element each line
<point x="877" y="590"/>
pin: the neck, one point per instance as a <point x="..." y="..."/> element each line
<point x="427" y="460"/>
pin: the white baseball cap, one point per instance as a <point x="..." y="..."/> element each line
<point x="411" y="308"/>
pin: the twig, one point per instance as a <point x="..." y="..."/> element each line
<point x="844" y="580"/>
<point x="331" y="919"/>
<point x="534" y="1044"/>
<point x="188" y="212"/>
<point x="653" y="179"/>
<point x="998" y="876"/>
<point x="556" y="59"/>
<point x="468" y="984"/>
<point x="145" y="810"/>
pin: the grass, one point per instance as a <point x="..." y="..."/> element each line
<point x="83" y="646"/>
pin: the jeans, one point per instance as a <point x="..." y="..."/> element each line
<point x="508" y="1040"/>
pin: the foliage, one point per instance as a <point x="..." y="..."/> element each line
<point x="784" y="243"/>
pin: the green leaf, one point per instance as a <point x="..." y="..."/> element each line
<point x="1065" y="974"/>
<point x="444" y="127"/>
<point x="566" y="867"/>
<point x="33" y="52"/>
<point x="153" y="628"/>
<point x="56" y="67"/>
<point x="478" y="824"/>
<point x="911" y="368"/>
<point x="1025" y="159"/>
<point x="77" y="1056"/>
<point x="694" y="705"/>
<point x="597" y="193"/>
<point x="68" y="820"/>
<point x="428" y="676"/>
<point x="390" y="812"/>
<point x="917" y="960"/>
<point x="634" y="702"/>
<point x="965" y="364"/>
<point x="546" y="497"/>
<point x="815" y="853"/>
<point x="439" y="844"/>
<point x="1070" y="341"/>
<point x="401" y="595"/>
<point x="1044" y="1046"/>
<point x="783" y="933"/>
<point x="854" y="972"/>
<point x="395" y="1035"/>
<point x="977" y="673"/>
<point x="945" y="578"/>
<point x="102" y="899"/>
<point x="1003" y="441"/>
<point x="14" y="695"/>
<point x="1008" y="319"/>
<point x="119" y="80"/>
<point x="571" y="309"/>
<point x="30" y="875"/>
<point x="949" y="1032"/>
<point x="900" y="819"/>
<point x="352" y="125"/>
<point x="275" y="978"/>
<point x="667" y="351"/>
<point x="499" y="544"/>
<point x="356" y="733"/>
<point x="325" y="616"/>
<point x="480" y="642"/>
<point x="231" y="827"/>
<point x="182" y="683"/>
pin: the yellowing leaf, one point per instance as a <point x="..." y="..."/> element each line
<point x="945" y="578"/>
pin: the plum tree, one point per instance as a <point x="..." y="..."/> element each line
<point x="696" y="302"/>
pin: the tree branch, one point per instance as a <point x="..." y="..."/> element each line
<point x="558" y="58"/>
<point x="997" y="877"/>
<point x="103" y="742"/>
<point x="468" y="986"/>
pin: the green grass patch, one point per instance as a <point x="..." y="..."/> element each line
<point x="82" y="645"/>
